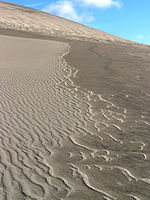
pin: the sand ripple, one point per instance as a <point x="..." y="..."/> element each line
<point x="60" y="141"/>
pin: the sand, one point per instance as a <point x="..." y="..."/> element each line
<point x="15" y="17"/>
<point x="74" y="114"/>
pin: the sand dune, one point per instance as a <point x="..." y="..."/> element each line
<point x="30" y="20"/>
<point x="74" y="114"/>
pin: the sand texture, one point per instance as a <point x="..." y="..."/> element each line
<point x="74" y="114"/>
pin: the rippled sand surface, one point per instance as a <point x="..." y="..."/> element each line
<point x="74" y="115"/>
<point x="59" y="141"/>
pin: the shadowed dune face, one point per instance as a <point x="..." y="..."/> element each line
<point x="16" y="17"/>
<point x="75" y="115"/>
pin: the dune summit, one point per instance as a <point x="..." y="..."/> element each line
<point x="74" y="111"/>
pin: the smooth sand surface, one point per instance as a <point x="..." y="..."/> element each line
<point x="75" y="118"/>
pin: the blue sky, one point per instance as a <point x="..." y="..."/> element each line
<point x="129" y="19"/>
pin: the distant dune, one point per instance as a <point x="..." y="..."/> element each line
<point x="74" y="110"/>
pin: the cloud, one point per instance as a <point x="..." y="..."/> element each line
<point x="70" y="8"/>
<point x="66" y="9"/>
<point x="101" y="3"/>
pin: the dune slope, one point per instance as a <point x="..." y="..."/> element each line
<point x="75" y="111"/>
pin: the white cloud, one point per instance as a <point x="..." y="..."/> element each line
<point x="66" y="9"/>
<point x="101" y="3"/>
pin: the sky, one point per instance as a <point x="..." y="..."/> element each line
<point x="129" y="19"/>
